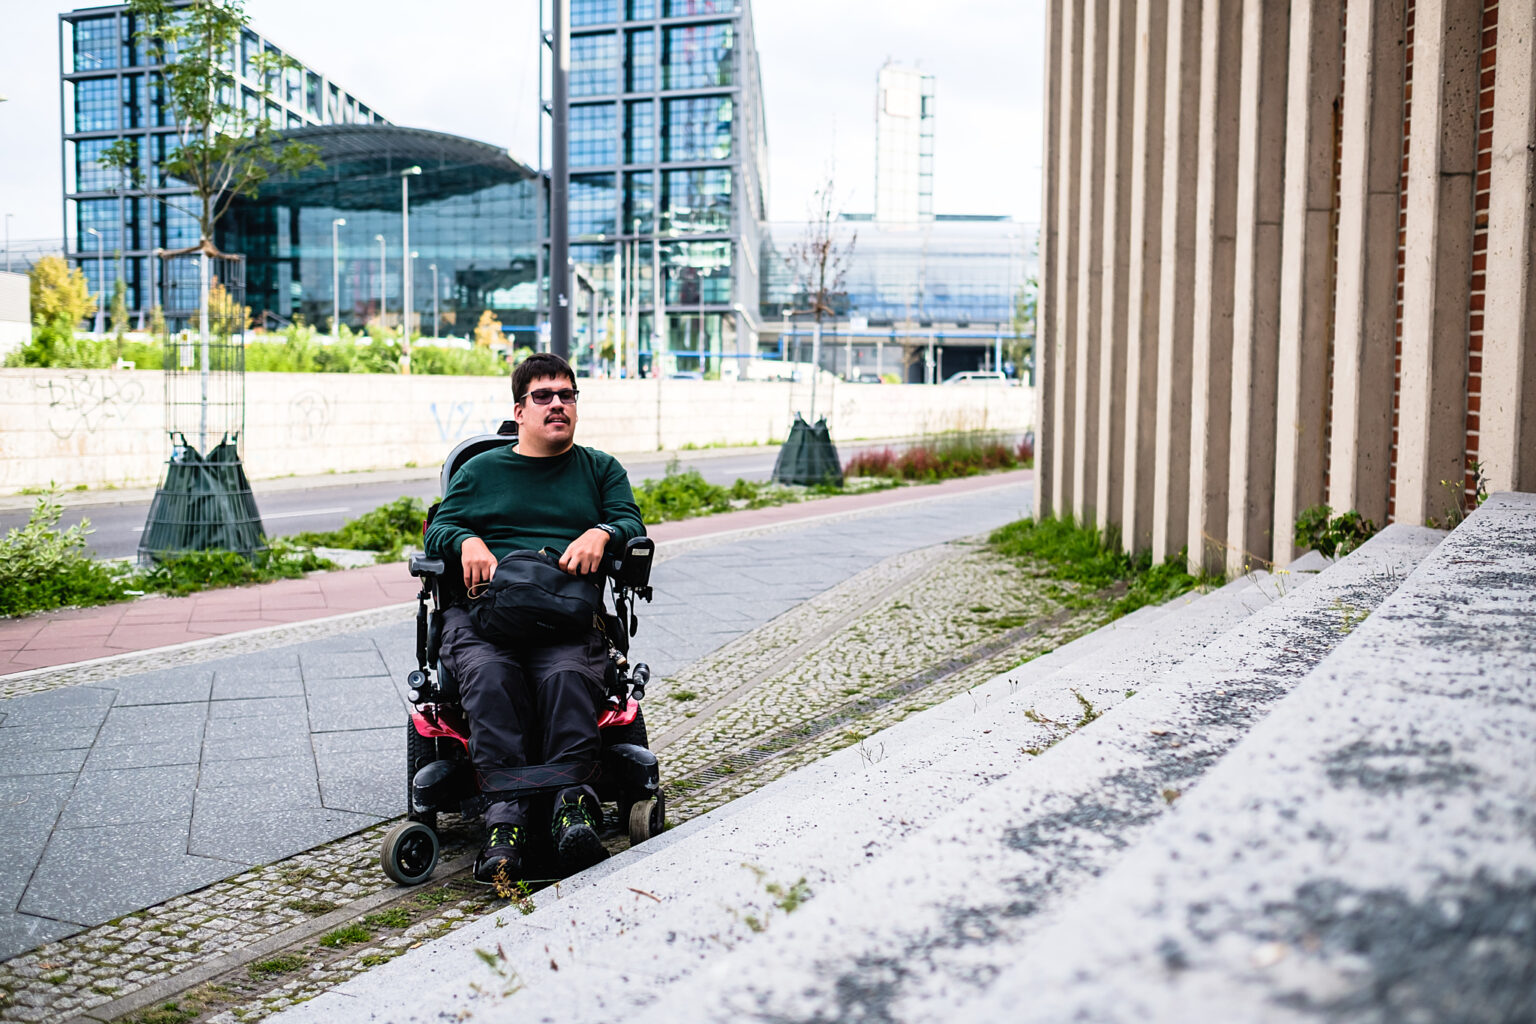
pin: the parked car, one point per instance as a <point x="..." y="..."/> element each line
<point x="978" y="377"/>
<point x="866" y="378"/>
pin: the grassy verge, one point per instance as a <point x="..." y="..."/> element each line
<point x="43" y="567"/>
<point x="685" y="494"/>
<point x="942" y="458"/>
<point x="387" y="530"/>
<point x="1082" y="556"/>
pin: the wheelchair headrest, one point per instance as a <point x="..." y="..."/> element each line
<point x="468" y="449"/>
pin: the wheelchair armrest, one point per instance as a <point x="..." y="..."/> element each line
<point x="632" y="568"/>
<point x="422" y="566"/>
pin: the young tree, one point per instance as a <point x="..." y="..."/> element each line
<point x="488" y="330"/>
<point x="819" y="263"/>
<point x="223" y="150"/>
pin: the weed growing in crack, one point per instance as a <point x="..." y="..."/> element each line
<point x="284" y="963"/>
<point x="1089" y="714"/>
<point x="511" y="982"/>
<point x="786" y="898"/>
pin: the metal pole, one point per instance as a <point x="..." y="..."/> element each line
<point x="8" y="242"/>
<point x="815" y="364"/>
<point x="658" y="306"/>
<point x="202" y="324"/>
<point x="93" y="231"/>
<point x="380" y="240"/>
<point x="336" y="277"/>
<point x="436" y="320"/>
<point x="560" y="187"/>
<point x="405" y="260"/>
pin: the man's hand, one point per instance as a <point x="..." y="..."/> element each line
<point x="585" y="555"/>
<point x="479" y="564"/>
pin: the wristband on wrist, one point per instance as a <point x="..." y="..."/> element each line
<point x="611" y="531"/>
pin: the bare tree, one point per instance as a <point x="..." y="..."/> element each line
<point x="819" y="263"/>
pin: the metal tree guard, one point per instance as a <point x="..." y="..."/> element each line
<point x="206" y="501"/>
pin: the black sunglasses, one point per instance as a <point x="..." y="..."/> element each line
<point x="543" y="396"/>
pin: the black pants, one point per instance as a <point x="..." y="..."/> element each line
<point x="533" y="706"/>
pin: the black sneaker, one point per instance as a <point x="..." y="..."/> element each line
<point x="501" y="859"/>
<point x="577" y="846"/>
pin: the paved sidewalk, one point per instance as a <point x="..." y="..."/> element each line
<point x="126" y="791"/>
<point x="50" y="639"/>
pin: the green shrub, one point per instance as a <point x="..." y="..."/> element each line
<point x="43" y="567"/>
<point x="458" y="362"/>
<point x="681" y="494"/>
<point x="386" y="529"/>
<point x="1332" y="536"/>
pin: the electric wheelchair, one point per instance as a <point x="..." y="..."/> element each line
<point x="439" y="775"/>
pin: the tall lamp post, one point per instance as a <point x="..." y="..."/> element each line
<point x="435" y="319"/>
<point x="405" y="259"/>
<point x="380" y="240"/>
<point x="336" y="277"/>
<point x="93" y="231"/>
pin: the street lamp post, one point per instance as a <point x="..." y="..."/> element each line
<point x="93" y="231"/>
<point x="336" y="276"/>
<point x="436" y="320"/>
<point x="380" y="240"/>
<point x="406" y="255"/>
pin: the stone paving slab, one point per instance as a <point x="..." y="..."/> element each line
<point x="278" y="703"/>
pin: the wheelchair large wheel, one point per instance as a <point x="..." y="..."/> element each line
<point x="647" y="818"/>
<point x="409" y="853"/>
<point x="419" y="752"/>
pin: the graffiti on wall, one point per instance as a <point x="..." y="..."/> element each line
<point x="309" y="415"/>
<point x="81" y="404"/>
<point x="459" y="420"/>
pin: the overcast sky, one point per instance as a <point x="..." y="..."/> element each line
<point x="468" y="67"/>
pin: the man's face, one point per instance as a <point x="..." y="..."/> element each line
<point x="546" y="429"/>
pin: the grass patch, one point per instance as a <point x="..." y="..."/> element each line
<point x="394" y="917"/>
<point x="1076" y="554"/>
<point x="683" y="695"/>
<point x="375" y="959"/>
<point x="314" y="908"/>
<point x="285" y="963"/>
<point x="346" y="935"/>
<point x="437" y="897"/>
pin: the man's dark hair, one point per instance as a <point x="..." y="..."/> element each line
<point x="536" y="366"/>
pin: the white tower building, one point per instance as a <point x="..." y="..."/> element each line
<point x="904" y="108"/>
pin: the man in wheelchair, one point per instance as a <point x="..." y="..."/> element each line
<point x="531" y="704"/>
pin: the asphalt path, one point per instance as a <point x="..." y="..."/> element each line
<point x="287" y="510"/>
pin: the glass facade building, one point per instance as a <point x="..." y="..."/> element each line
<point x="922" y="300"/>
<point x="109" y="90"/>
<point x="668" y="157"/>
<point x="473" y="217"/>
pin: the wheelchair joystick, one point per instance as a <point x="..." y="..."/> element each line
<point x="639" y="676"/>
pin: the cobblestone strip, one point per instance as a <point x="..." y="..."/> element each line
<point x="890" y="623"/>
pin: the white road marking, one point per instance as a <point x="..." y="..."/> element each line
<point x="288" y="515"/>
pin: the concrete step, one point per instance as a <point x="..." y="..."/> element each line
<point x="826" y="821"/>
<point x="938" y="916"/>
<point x="1365" y="854"/>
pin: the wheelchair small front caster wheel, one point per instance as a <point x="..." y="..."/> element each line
<point x="409" y="853"/>
<point x="647" y="818"/>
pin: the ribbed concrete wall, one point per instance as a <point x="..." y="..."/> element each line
<point x="1287" y="258"/>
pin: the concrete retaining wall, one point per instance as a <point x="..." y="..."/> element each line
<point x="100" y="427"/>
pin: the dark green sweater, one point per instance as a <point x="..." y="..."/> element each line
<point x="513" y="502"/>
